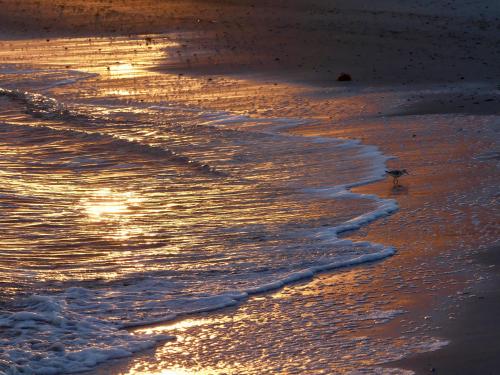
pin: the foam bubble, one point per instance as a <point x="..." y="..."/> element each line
<point x="47" y="337"/>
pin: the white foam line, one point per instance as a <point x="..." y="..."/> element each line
<point x="385" y="207"/>
<point x="233" y="298"/>
<point x="310" y="272"/>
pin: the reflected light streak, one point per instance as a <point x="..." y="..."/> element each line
<point x="114" y="57"/>
<point x="183" y="324"/>
<point x="108" y="204"/>
<point x="178" y="371"/>
<point x="122" y="70"/>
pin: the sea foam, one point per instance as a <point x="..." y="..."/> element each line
<point x="47" y="337"/>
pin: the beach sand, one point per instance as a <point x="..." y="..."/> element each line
<point x="439" y="117"/>
<point x="309" y="41"/>
<point x="473" y="333"/>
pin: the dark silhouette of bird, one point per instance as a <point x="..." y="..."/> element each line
<point x="396" y="174"/>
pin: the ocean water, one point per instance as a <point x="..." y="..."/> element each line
<point x="122" y="205"/>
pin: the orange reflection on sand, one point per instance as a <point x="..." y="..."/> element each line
<point x="183" y="324"/>
<point x="181" y="329"/>
<point x="114" y="57"/>
<point x="178" y="371"/>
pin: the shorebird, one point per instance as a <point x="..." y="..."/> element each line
<point x="395" y="174"/>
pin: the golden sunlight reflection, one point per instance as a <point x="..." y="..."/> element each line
<point x="106" y="204"/>
<point x="116" y="57"/>
<point x="178" y="371"/>
<point x="181" y="325"/>
<point x="122" y="70"/>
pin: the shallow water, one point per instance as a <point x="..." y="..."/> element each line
<point x="122" y="204"/>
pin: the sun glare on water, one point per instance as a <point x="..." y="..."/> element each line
<point x="106" y="204"/>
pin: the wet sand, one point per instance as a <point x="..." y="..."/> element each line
<point x="473" y="333"/>
<point x="441" y="229"/>
<point x="460" y="303"/>
<point x="308" y="41"/>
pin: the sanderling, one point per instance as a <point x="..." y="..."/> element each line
<point x="396" y="173"/>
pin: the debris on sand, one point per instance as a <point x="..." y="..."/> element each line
<point x="343" y="77"/>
